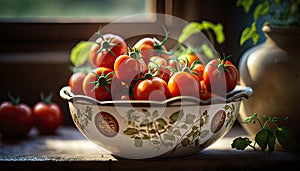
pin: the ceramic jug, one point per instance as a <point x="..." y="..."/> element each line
<point x="272" y="70"/>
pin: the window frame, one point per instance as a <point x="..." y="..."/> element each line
<point x="54" y="34"/>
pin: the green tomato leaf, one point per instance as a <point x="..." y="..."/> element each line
<point x="250" y="33"/>
<point x="262" y="139"/>
<point x="195" y="27"/>
<point x="207" y="51"/>
<point x="246" y="4"/>
<point x="265" y="138"/>
<point x="262" y="9"/>
<point x="250" y="118"/>
<point x="278" y="1"/>
<point x="271" y="142"/>
<point x="188" y="30"/>
<point x="283" y="135"/>
<point x="240" y="143"/>
<point x="246" y="35"/>
<point x="80" y="53"/>
<point x="218" y="30"/>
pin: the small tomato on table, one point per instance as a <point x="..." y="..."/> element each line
<point x="48" y="115"/>
<point x="16" y="119"/>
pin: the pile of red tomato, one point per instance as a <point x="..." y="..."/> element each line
<point x="148" y="71"/>
<point x="18" y="118"/>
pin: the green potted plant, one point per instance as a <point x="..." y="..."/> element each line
<point x="283" y="13"/>
<point x="272" y="67"/>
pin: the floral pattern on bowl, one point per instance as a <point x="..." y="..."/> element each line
<point x="176" y="127"/>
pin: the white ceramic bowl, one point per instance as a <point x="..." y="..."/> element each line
<point x="178" y="126"/>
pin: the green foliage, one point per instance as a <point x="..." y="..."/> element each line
<point x="195" y="27"/>
<point x="283" y="136"/>
<point x="80" y="53"/>
<point x="214" y="32"/>
<point x="241" y="143"/>
<point x="286" y="15"/>
<point x="250" y="33"/>
<point x="261" y="10"/>
<point x="246" y="4"/>
<point x="266" y="137"/>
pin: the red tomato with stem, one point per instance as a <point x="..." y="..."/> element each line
<point x="97" y="83"/>
<point x="76" y="81"/>
<point x="204" y="93"/>
<point x="128" y="67"/>
<point x="220" y="76"/>
<point x="159" y="64"/>
<point x="175" y="64"/>
<point x="106" y="49"/>
<point x="189" y="58"/>
<point x="151" y="88"/>
<point x="16" y="119"/>
<point x="198" y="70"/>
<point x="184" y="83"/>
<point x="48" y="116"/>
<point x="152" y="47"/>
<point x="155" y="61"/>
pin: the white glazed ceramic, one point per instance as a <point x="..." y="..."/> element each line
<point x="272" y="70"/>
<point x="179" y="126"/>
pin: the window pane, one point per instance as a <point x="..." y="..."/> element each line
<point x="97" y="9"/>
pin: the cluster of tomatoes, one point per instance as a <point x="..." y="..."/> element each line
<point x="148" y="71"/>
<point x="17" y="118"/>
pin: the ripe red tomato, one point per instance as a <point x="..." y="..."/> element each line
<point x="175" y="64"/>
<point x="198" y="70"/>
<point x="159" y="64"/>
<point x="184" y="84"/>
<point x="157" y="61"/>
<point x="48" y="116"/>
<point x="220" y="76"/>
<point x="152" y="47"/>
<point x="204" y="93"/>
<point x="97" y="83"/>
<point x="189" y="58"/>
<point x="75" y="82"/>
<point x="119" y="90"/>
<point x="16" y="119"/>
<point x="128" y="67"/>
<point x="106" y="49"/>
<point x="151" y="89"/>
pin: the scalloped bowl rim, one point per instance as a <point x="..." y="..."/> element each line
<point x="238" y="94"/>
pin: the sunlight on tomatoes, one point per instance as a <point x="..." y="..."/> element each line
<point x="184" y="84"/>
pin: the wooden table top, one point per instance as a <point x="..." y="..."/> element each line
<point x="69" y="149"/>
